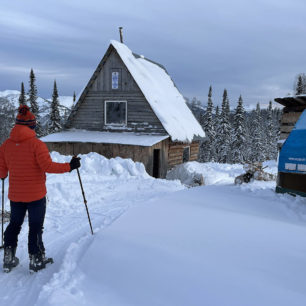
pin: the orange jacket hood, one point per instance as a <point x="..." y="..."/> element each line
<point x="20" y="133"/>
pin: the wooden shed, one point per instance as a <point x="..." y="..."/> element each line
<point x="131" y="108"/>
<point x="293" y="108"/>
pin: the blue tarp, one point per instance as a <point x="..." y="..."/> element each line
<point x="292" y="157"/>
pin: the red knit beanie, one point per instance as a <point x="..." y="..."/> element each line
<point x="25" y="117"/>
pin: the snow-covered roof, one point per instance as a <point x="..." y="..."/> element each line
<point x="127" y="138"/>
<point x="162" y="95"/>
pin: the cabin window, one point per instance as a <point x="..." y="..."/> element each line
<point x="186" y="154"/>
<point x="115" y="80"/>
<point x="115" y="112"/>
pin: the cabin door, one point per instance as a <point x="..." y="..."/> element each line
<point x="156" y="163"/>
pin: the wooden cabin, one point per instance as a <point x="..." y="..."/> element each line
<point x="293" y="108"/>
<point x="131" y="108"/>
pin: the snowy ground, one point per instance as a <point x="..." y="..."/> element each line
<point x="158" y="243"/>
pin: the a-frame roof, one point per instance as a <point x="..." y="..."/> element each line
<point x="160" y="91"/>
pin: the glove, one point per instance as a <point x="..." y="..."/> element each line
<point x="75" y="163"/>
<point x="3" y="178"/>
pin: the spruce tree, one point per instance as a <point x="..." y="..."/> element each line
<point x="208" y="151"/>
<point x="55" y="122"/>
<point x="32" y="93"/>
<point x="258" y="145"/>
<point x="271" y="135"/>
<point x="74" y="97"/>
<point x="32" y="99"/>
<point x="300" y="86"/>
<point x="22" y="97"/>
<point x="224" y="132"/>
<point x="216" y="124"/>
<point x="239" y="137"/>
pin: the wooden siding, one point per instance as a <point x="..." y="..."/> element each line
<point x="103" y="81"/>
<point x="90" y="112"/>
<point x="175" y="154"/>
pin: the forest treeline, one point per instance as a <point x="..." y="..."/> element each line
<point x="236" y="136"/>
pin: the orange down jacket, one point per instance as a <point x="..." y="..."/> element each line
<point x="27" y="159"/>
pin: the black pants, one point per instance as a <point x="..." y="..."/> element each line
<point x="36" y="214"/>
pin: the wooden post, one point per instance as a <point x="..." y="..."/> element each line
<point x="121" y="35"/>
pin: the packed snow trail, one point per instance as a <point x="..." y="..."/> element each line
<point x="212" y="245"/>
<point x="111" y="187"/>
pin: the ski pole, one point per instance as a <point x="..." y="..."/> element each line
<point x="85" y="202"/>
<point x="1" y="247"/>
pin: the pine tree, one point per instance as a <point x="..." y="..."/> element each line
<point x="55" y="122"/>
<point x="32" y="99"/>
<point x="258" y="145"/>
<point x="22" y="97"/>
<point x="239" y="137"/>
<point x="74" y="97"/>
<point x="224" y="132"/>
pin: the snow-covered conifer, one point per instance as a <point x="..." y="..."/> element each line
<point x="32" y="99"/>
<point x="55" y="121"/>
<point x="239" y="137"/>
<point x="207" y="151"/>
<point x="300" y="84"/>
<point x="271" y="135"/>
<point x="258" y="145"/>
<point x="223" y="132"/>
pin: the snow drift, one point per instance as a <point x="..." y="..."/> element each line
<point x="158" y="243"/>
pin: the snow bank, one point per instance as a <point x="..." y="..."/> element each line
<point x="212" y="173"/>
<point x="94" y="163"/>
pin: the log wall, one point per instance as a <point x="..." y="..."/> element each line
<point x="175" y="155"/>
<point x="171" y="154"/>
<point x="136" y="153"/>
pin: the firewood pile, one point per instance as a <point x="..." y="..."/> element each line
<point x="254" y="171"/>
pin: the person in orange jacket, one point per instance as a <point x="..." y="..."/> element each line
<point x="27" y="160"/>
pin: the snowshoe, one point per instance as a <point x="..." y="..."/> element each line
<point x="10" y="261"/>
<point x="38" y="262"/>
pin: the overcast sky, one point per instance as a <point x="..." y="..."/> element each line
<point x="254" y="48"/>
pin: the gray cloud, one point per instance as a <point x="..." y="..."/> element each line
<point x="253" y="48"/>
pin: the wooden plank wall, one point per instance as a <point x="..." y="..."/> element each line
<point x="136" y="153"/>
<point x="90" y="114"/>
<point x="175" y="155"/>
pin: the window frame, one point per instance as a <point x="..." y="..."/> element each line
<point x="119" y="71"/>
<point x="115" y="101"/>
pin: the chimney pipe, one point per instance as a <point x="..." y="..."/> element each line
<point x="121" y="35"/>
